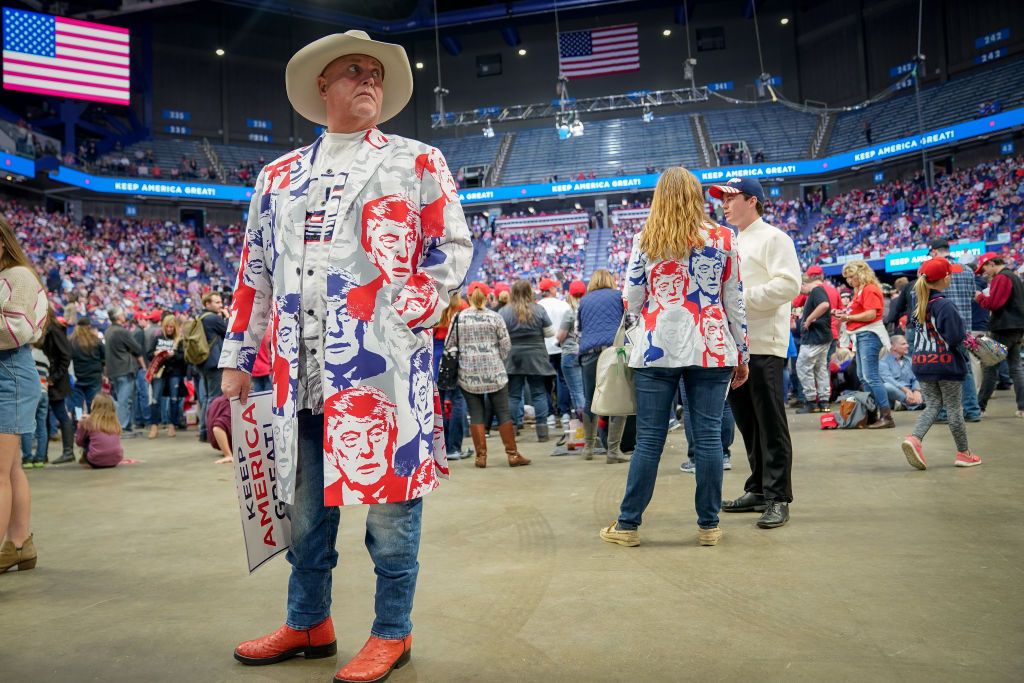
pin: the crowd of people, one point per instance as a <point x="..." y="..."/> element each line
<point x="536" y="252"/>
<point x="92" y="263"/>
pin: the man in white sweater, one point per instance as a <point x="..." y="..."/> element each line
<point x="771" y="279"/>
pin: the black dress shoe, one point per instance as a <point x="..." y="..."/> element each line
<point x="748" y="502"/>
<point x="776" y="514"/>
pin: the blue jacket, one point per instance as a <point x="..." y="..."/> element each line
<point x="600" y="314"/>
<point x="938" y="345"/>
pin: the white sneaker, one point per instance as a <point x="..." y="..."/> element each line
<point x="456" y="455"/>
<point x="551" y="421"/>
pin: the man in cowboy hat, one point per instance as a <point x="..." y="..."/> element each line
<point x="384" y="211"/>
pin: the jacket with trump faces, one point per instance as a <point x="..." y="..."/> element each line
<point x="398" y="247"/>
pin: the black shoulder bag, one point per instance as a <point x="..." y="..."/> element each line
<point x="448" y="370"/>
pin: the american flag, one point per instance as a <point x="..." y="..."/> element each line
<point x="599" y="52"/>
<point x="65" y="57"/>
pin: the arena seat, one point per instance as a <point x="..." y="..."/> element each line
<point x="952" y="102"/>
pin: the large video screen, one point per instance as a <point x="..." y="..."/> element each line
<point x="65" y="57"/>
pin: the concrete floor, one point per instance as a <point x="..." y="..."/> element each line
<point x="884" y="573"/>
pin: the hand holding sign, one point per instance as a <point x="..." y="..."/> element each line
<point x="265" y="526"/>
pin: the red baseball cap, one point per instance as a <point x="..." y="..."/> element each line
<point x="482" y="286"/>
<point x="547" y="283"/>
<point x="815" y="271"/>
<point x="577" y="288"/>
<point x="500" y="287"/>
<point x="935" y="269"/>
<point x="985" y="258"/>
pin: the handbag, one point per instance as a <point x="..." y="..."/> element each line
<point x="615" y="393"/>
<point x="987" y="350"/>
<point x="448" y="369"/>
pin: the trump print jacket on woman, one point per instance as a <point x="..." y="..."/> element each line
<point x="691" y="310"/>
<point x="391" y="244"/>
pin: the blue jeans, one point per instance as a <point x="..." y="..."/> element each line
<point x="728" y="425"/>
<point x="211" y="384"/>
<point x="41" y="434"/>
<point x="141" y="408"/>
<point x="869" y="346"/>
<point x="538" y="394"/>
<point x="164" y="409"/>
<point x="705" y="396"/>
<point x="124" y="395"/>
<point x="82" y="395"/>
<point x="455" y="424"/>
<point x="392" y="538"/>
<point x="573" y="374"/>
<point x="262" y="383"/>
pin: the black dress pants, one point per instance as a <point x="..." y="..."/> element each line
<point x="760" y="410"/>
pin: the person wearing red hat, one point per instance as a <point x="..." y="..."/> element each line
<point x="483" y="345"/>
<point x="938" y="362"/>
<point x="556" y="309"/>
<point x="569" y="340"/>
<point x="815" y="341"/>
<point x="1005" y="301"/>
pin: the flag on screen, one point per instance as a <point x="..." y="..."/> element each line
<point x="599" y="52"/>
<point x="65" y="57"/>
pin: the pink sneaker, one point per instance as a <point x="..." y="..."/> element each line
<point x="967" y="459"/>
<point x="915" y="454"/>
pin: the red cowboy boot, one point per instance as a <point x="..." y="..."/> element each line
<point x="376" y="660"/>
<point x="286" y="642"/>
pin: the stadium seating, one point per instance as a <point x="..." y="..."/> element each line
<point x="166" y="155"/>
<point x="607" y="148"/>
<point x="952" y="102"/>
<point x="780" y="133"/>
<point x="472" y="150"/>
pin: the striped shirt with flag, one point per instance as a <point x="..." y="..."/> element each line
<point x="599" y="52"/>
<point x="65" y="57"/>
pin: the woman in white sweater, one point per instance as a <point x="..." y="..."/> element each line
<point x="23" y="308"/>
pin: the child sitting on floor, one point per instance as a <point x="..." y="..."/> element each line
<point x="99" y="434"/>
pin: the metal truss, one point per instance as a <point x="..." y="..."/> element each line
<point x="639" y="99"/>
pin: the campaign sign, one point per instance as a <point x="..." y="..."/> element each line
<point x="265" y="527"/>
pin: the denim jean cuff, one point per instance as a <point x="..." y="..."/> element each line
<point x="387" y="636"/>
<point x="306" y="623"/>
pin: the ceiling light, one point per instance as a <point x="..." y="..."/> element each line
<point x="219" y="52"/>
<point x="419" y="65"/>
<point x="522" y="52"/>
<point x="784" y="21"/>
<point x="667" y="32"/>
<point x="578" y="206"/>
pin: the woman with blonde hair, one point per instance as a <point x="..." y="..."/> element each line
<point x="864" y="321"/>
<point x="683" y="282"/>
<point x="527" y="364"/>
<point x="23" y="310"/>
<point x="99" y="434"/>
<point x="599" y="316"/>
<point x="483" y="344"/>
<point x="166" y="374"/>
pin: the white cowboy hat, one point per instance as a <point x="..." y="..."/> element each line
<point x="308" y="63"/>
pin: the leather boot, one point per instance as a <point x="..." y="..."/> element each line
<point x="542" y="432"/>
<point x="286" y="642"/>
<point x="67" y="438"/>
<point x="616" y="425"/>
<point x="884" y="420"/>
<point x="24" y="557"/>
<point x="376" y="661"/>
<point x="588" y="436"/>
<point x="508" y="438"/>
<point x="479" y="435"/>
